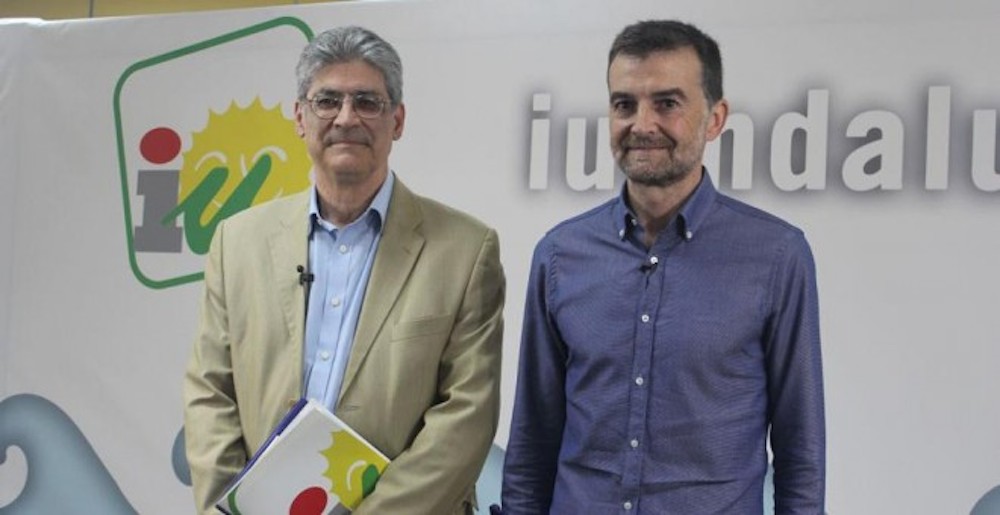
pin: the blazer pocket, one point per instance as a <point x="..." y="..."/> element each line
<point x="407" y="329"/>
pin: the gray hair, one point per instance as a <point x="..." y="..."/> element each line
<point x="344" y="44"/>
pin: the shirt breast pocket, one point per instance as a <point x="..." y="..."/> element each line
<point x="421" y="327"/>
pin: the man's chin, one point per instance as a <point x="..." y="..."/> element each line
<point x="652" y="176"/>
<point x="348" y="171"/>
<point x="348" y="160"/>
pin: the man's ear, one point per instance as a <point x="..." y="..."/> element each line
<point x="300" y="127"/>
<point x="717" y="119"/>
<point x="399" y="116"/>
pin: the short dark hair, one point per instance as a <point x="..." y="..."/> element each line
<point x="645" y="37"/>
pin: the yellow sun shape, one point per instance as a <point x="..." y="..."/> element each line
<point x="251" y="144"/>
<point x="353" y="468"/>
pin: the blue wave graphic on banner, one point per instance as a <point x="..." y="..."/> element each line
<point x="989" y="504"/>
<point x="64" y="473"/>
<point x="179" y="460"/>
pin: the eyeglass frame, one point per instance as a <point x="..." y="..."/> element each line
<point x="383" y="103"/>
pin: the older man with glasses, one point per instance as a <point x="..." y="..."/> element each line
<point x="383" y="305"/>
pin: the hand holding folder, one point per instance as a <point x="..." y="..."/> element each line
<point x="311" y="458"/>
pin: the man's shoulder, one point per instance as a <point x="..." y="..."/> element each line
<point x="580" y="233"/>
<point x="441" y="217"/>
<point x="271" y="211"/>
<point x="751" y="227"/>
<point x="597" y="218"/>
<point x="746" y="216"/>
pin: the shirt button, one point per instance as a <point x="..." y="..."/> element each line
<point x="335" y="302"/>
<point x="688" y="235"/>
<point x="343" y="249"/>
<point x="644" y="318"/>
<point x="324" y="355"/>
<point x="621" y="233"/>
<point x="653" y="260"/>
<point x="627" y="505"/>
<point x="639" y="381"/>
<point x="634" y="443"/>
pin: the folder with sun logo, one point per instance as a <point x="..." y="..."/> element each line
<point x="312" y="463"/>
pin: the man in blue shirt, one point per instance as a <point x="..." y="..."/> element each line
<point x="668" y="331"/>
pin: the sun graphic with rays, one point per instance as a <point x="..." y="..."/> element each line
<point x="242" y="147"/>
<point x="353" y="468"/>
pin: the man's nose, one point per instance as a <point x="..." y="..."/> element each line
<point x="347" y="115"/>
<point x="645" y="120"/>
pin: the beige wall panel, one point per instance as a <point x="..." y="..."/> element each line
<point x="45" y="9"/>
<point x="130" y="7"/>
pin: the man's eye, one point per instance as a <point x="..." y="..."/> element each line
<point x="666" y="103"/>
<point x="367" y="104"/>
<point x="327" y="103"/>
<point x="623" y="106"/>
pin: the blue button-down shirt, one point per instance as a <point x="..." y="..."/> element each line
<point x="340" y="258"/>
<point x="650" y="377"/>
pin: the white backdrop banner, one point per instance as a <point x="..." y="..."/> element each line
<point x="124" y="141"/>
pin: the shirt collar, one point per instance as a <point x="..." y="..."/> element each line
<point x="689" y="219"/>
<point x="378" y="209"/>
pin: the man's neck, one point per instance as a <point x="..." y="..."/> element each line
<point x="341" y="204"/>
<point x="655" y="206"/>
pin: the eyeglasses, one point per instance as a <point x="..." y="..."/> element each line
<point x="366" y="105"/>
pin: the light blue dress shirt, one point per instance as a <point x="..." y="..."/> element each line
<point x="340" y="259"/>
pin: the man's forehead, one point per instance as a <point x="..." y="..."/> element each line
<point x="354" y="76"/>
<point x="663" y="68"/>
<point x="684" y="55"/>
<point x="329" y="90"/>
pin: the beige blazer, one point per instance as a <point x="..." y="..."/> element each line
<point x="422" y="381"/>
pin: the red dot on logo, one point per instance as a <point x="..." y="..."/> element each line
<point x="311" y="501"/>
<point x="160" y="145"/>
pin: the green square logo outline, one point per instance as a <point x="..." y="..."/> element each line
<point x="119" y="133"/>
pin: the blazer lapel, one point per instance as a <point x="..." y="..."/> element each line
<point x="397" y="253"/>
<point x="289" y="243"/>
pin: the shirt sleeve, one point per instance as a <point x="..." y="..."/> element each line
<point x="795" y="384"/>
<point x="540" y="402"/>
